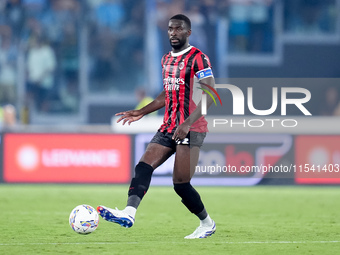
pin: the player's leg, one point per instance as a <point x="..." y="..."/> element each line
<point x="155" y="155"/>
<point x="185" y="163"/>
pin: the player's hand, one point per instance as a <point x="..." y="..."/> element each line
<point x="129" y="116"/>
<point x="181" y="132"/>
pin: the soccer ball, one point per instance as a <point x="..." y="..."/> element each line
<point x="84" y="219"/>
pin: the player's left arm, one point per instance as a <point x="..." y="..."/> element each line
<point x="183" y="129"/>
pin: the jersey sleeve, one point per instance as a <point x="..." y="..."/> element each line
<point x="202" y="67"/>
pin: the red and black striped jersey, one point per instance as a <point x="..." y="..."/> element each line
<point x="179" y="71"/>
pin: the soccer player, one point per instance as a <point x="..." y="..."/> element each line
<point x="182" y="132"/>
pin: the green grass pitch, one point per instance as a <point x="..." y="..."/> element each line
<point x="250" y="220"/>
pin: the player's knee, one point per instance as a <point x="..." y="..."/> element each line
<point x="181" y="178"/>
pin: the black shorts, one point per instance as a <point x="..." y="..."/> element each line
<point x="192" y="139"/>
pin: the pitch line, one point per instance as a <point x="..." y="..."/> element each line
<point x="105" y="243"/>
<point x="282" y="242"/>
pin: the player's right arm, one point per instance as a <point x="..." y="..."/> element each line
<point x="134" y="115"/>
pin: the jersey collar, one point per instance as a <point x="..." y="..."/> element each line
<point x="181" y="52"/>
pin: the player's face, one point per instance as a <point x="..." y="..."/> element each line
<point x="178" y="34"/>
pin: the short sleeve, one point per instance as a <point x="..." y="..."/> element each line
<point x="202" y="67"/>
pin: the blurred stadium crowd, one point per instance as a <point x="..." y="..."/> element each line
<point x="49" y="50"/>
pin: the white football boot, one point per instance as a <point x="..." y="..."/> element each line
<point x="203" y="231"/>
<point x="116" y="216"/>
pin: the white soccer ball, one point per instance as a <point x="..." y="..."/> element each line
<point x="84" y="219"/>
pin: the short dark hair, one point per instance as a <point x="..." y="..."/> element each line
<point x="184" y="18"/>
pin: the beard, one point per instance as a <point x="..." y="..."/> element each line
<point x="177" y="45"/>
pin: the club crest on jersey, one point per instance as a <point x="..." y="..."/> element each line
<point x="181" y="65"/>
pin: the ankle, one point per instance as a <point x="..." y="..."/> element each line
<point x="207" y="221"/>
<point x="130" y="210"/>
